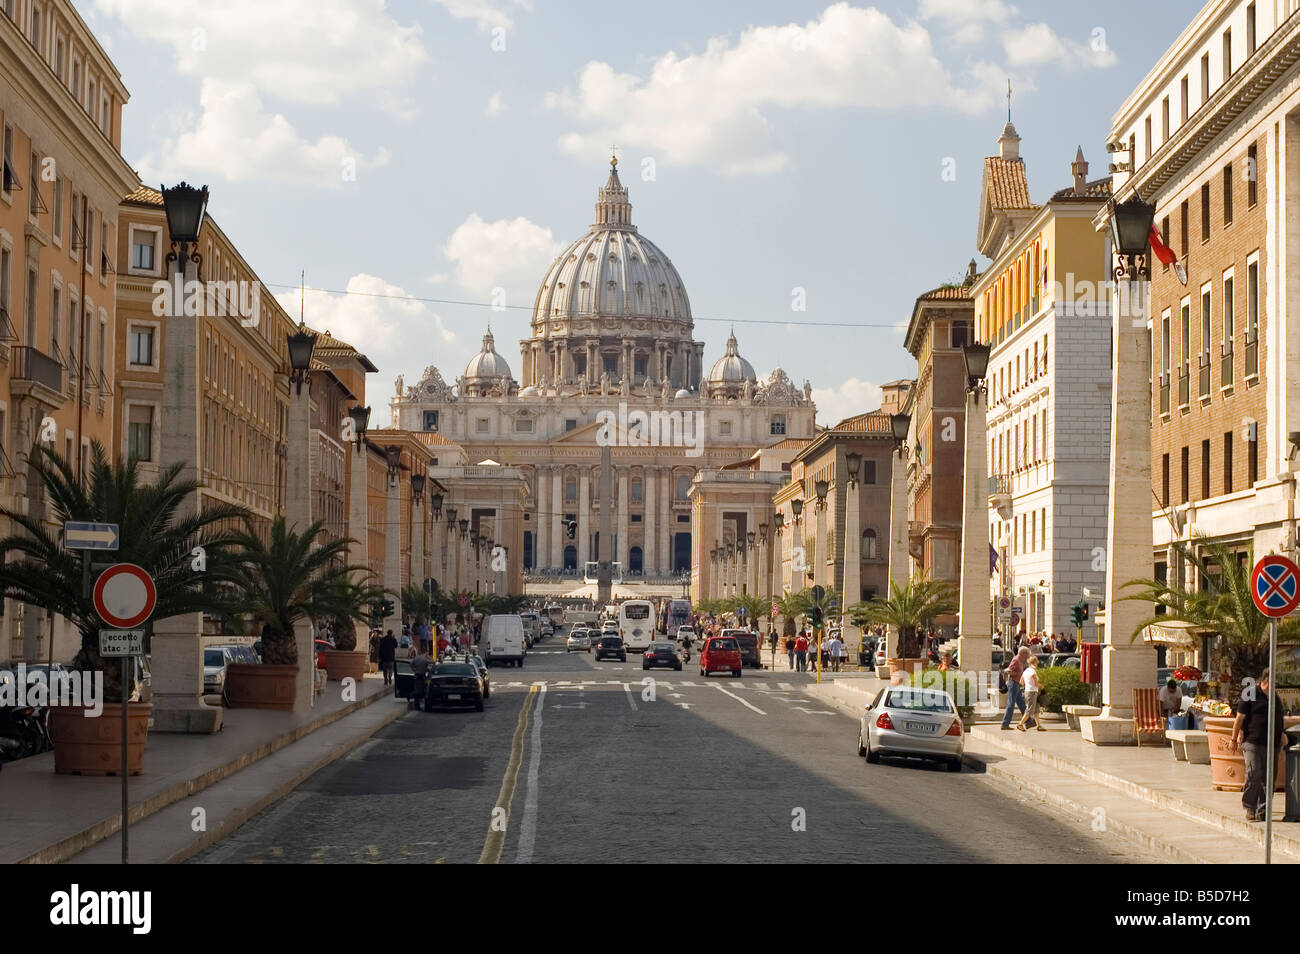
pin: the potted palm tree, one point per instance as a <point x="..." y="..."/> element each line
<point x="152" y="533"/>
<point x="1225" y="609"/>
<point x="345" y="661"/>
<point x="908" y="608"/>
<point x="282" y="580"/>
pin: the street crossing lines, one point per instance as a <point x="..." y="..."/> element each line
<point x="747" y="705"/>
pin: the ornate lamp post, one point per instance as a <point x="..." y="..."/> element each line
<point x="975" y="632"/>
<point x="297" y="505"/>
<point x="899" y="425"/>
<point x="798" y="555"/>
<point x="393" y="529"/>
<point x="851" y="590"/>
<point x="419" y="527"/>
<point x="453" y="551"/>
<point x="817" y="572"/>
<point x="1127" y="664"/>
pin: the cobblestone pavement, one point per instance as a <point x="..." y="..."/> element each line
<point x="577" y="761"/>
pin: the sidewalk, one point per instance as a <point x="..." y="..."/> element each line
<point x="1141" y="794"/>
<point x="49" y="818"/>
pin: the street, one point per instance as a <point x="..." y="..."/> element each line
<point x="575" y="761"/>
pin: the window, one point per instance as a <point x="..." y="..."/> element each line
<point x="868" y="471"/>
<point x="1250" y="30"/>
<point x="1205" y="323"/>
<point x="430" y="420"/>
<point x="1164" y="480"/>
<point x="1229" y="322"/>
<point x="523" y="425"/>
<point x="637" y="492"/>
<point x="1183" y="486"/>
<point x="1227" y="462"/>
<point x="959" y="333"/>
<point x="139" y="433"/>
<point x="1205" y="469"/>
<point x="1227" y="55"/>
<point x="570" y="490"/>
<point x="683" y="486"/>
<point x="103" y="248"/>
<point x="142" y="250"/>
<point x="140" y="346"/>
<point x="1187" y="334"/>
<point x="1146" y="128"/>
<point x="1182" y="215"/>
<point x="776" y="425"/>
<point x="570" y="424"/>
<point x="1252" y="461"/>
<point x="869" y="543"/>
<point x="36" y="28"/>
<point x="1205" y="212"/>
<point x="1164" y="345"/>
<point x="1205" y="78"/>
<point x="1182" y="106"/>
<point x="1252" y="319"/>
<point x="10" y="176"/>
<point x="724" y="428"/>
<point x="1252" y="175"/>
<point x="1164" y="119"/>
<point x="57" y="226"/>
<point x="29" y="307"/>
<point x="481" y="425"/>
<point x="34" y="205"/>
<point x="1227" y="194"/>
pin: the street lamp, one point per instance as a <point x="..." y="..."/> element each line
<point x="780" y="521"/>
<point x="301" y="345"/>
<point x="185" y="207"/>
<point x="464" y="529"/>
<point x="762" y="531"/>
<point x="976" y="357"/>
<point x="796" y="507"/>
<point x="853" y="461"/>
<point x="821" y="488"/>
<point x="394" y="454"/>
<point x="899" y="425"/>
<point x="1131" y="222"/>
<point x="360" y="422"/>
<point x="750" y="537"/>
<point x="435" y="504"/>
<point x="451" y="517"/>
<point x="417" y="486"/>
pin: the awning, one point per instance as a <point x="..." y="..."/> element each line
<point x="1176" y="633"/>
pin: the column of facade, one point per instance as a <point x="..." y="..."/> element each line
<point x="558" y="536"/>
<point x="541" y="519"/>
<point x="649" y="552"/>
<point x="584" y="518"/>
<point x="665" y="531"/>
<point x="623" y="552"/>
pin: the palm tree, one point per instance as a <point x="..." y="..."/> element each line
<point x="1224" y="607"/>
<point x="908" y="608"/>
<point x="419" y="604"/>
<point x="711" y="607"/>
<point x="805" y="600"/>
<point x="754" y="606"/>
<point x="788" y="606"/>
<point x="152" y="533"/>
<point x="293" y="577"/>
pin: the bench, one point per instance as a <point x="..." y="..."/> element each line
<point x="1190" y="745"/>
<point x="1074" y="713"/>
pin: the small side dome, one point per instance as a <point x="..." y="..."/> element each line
<point x="683" y="393"/>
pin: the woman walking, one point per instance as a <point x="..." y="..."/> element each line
<point x="1030" y="681"/>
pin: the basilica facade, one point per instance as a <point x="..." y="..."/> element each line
<point x="611" y="361"/>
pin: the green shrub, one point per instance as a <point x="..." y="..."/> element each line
<point x="962" y="690"/>
<point x="1063" y="687"/>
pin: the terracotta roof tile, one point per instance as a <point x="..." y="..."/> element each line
<point x="145" y="196"/>
<point x="1008" y="184"/>
<point x="789" y="443"/>
<point x="1097" y="189"/>
<point x="872" y="422"/>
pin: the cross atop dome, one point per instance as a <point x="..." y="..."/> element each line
<point x="613" y="210"/>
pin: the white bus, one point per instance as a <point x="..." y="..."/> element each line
<point x="636" y="624"/>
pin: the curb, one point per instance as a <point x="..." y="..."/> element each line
<point x="78" y="842"/>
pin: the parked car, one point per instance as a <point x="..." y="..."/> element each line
<point x="453" y="684"/>
<point x="477" y="662"/>
<point x="721" y="654"/>
<point x="661" y="654"/>
<point x="611" y="646"/>
<point x="749" y="649"/>
<point x="1071" y="660"/>
<point x="686" y="632"/>
<point x="503" y="639"/>
<point x="403" y="679"/>
<point x="577" y="640"/>
<point x="882" y="657"/>
<point x="921" y="723"/>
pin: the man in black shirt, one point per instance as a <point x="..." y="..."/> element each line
<point x="388" y="656"/>
<point x="1250" y="732"/>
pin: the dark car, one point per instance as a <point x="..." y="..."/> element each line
<point x="611" y="646"/>
<point x="403" y="679"/>
<point x="661" y="654"/>
<point x="483" y="674"/>
<point x="453" y="684"/>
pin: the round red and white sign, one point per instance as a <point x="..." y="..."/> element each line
<point x="125" y="596"/>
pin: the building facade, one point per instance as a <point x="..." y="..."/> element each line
<point x="611" y="361"/>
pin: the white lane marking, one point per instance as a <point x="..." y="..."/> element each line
<point x="576" y="705"/>
<point x="785" y="685"/>
<point x="815" y="711"/>
<point x="684" y="705"/>
<point x="630" y="700"/>
<point x="675" y="695"/>
<point x="743" y="702"/>
<point x="691" y="684"/>
<point x="528" y="827"/>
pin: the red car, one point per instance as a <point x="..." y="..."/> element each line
<point x="720" y="654"/>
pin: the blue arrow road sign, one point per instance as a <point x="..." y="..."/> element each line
<point x="89" y="536"/>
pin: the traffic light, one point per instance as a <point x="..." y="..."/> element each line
<point x="815" y="617"/>
<point x="1079" y="613"/>
<point x="387" y="608"/>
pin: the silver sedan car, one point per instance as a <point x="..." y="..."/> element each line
<point x="579" y="640"/>
<point x="922" y="723"/>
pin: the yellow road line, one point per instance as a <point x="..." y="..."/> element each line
<point x="496" y="836"/>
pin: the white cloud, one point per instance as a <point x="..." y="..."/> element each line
<point x="1038" y="44"/>
<point x="306" y="51"/>
<point x="713" y="107"/>
<point x="378" y="318"/>
<point x="486" y="13"/>
<point x="236" y="139"/>
<point x="496" y="105"/>
<point x="956" y="12"/>
<point x="853" y="396"/>
<point x="509" y="253"/>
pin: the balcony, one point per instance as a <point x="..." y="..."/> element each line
<point x="1000" y="495"/>
<point x="1204" y="378"/>
<point x="1225" y="366"/>
<point x="1252" y="357"/>
<point x="1184" y="388"/>
<point x="38" y="375"/>
<point x="1164" y="395"/>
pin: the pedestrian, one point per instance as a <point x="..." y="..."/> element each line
<point x="836" y="650"/>
<point x="946" y="663"/>
<point x="1011" y="679"/>
<point x="443" y="644"/>
<point x="419" y="673"/>
<point x="1029" y="678"/>
<point x="1171" y="699"/>
<point x="1250" y="734"/>
<point x="801" y="653"/>
<point x="388" y="656"/>
<point x="374" y="650"/>
<point x="789" y="651"/>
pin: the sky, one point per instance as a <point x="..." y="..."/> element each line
<point x="810" y="168"/>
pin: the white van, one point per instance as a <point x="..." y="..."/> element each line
<point x="532" y="626"/>
<point x="503" y="640"/>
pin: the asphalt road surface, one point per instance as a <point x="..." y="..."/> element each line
<point x="578" y="761"/>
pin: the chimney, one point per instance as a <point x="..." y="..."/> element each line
<point x="1079" y="170"/>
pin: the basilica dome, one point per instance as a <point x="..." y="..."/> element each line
<point x="486" y="371"/>
<point x="731" y="370"/>
<point x="612" y="271"/>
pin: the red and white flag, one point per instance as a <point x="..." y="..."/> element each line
<point x="1166" y="255"/>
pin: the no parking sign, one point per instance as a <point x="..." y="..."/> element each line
<point x="1275" y="586"/>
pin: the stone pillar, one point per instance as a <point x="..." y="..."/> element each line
<point x="778" y="539"/>
<point x="606" y="555"/>
<point x="297" y="507"/>
<point x="558" y="535"/>
<point x="798" y="557"/>
<point x="624" y="521"/>
<point x="1127" y="664"/>
<point x="665" y="531"/>
<point x="358" y="508"/>
<point x="393" y="549"/>
<point x="898" y="555"/>
<point x="584" y="518"/>
<point x="822" y="544"/>
<point x="541" y="518"/>
<point x="852" y="587"/>
<point x="975" y="645"/>
<point x="649" y="553"/>
<point x="418" y="571"/>
<point x="177" y="653"/>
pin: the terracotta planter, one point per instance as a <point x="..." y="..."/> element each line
<point x="905" y="665"/>
<point x="93" y="746"/>
<point x="1228" y="768"/>
<point x="345" y="664"/>
<point x="261" y="686"/>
